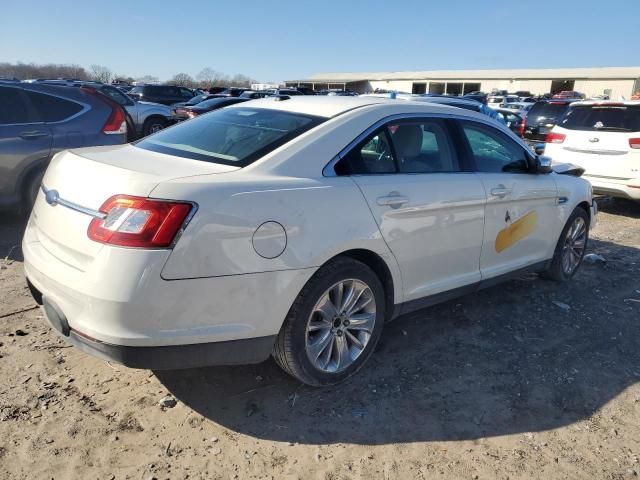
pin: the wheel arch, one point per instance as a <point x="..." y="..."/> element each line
<point x="379" y="266"/>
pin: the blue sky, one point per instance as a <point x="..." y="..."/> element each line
<point x="277" y="40"/>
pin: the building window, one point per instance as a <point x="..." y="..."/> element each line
<point x="419" y="88"/>
<point x="436" y="87"/>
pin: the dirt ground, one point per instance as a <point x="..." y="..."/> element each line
<point x="502" y="384"/>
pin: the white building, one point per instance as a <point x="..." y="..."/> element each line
<point x="613" y="81"/>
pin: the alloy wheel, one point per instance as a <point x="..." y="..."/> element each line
<point x="340" y="325"/>
<point x="574" y="245"/>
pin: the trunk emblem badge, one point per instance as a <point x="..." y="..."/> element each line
<point x="594" y="140"/>
<point x="52" y="197"/>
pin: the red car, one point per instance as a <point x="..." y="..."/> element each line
<point x="568" y="94"/>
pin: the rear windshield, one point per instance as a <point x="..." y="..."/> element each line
<point x="544" y="112"/>
<point x="231" y="136"/>
<point x="623" y="118"/>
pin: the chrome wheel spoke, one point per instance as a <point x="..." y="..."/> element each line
<point x="340" y="325"/>
<point x="362" y="321"/>
<point x="354" y="340"/>
<point x="574" y="245"/>
<point x="315" y="350"/>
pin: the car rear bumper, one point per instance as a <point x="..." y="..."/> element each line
<point x="172" y="357"/>
<point x="615" y="189"/>
<point x="120" y="308"/>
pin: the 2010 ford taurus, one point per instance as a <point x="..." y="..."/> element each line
<point x="291" y="227"/>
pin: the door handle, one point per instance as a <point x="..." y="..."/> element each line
<point x="500" y="191"/>
<point x="393" y="200"/>
<point x="33" y="134"/>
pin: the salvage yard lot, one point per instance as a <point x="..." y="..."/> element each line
<point x="528" y="379"/>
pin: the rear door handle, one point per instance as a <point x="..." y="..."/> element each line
<point x="500" y="191"/>
<point x="393" y="200"/>
<point x="33" y="134"/>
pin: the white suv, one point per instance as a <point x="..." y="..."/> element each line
<point x="604" y="139"/>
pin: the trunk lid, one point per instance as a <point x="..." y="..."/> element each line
<point x="88" y="177"/>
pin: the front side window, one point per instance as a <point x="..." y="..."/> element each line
<point x="52" y="109"/>
<point x="232" y="136"/>
<point x="492" y="151"/>
<point x="13" y="109"/>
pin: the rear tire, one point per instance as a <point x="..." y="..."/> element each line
<point x="570" y="248"/>
<point x="334" y="325"/>
<point x="153" y="125"/>
<point x="31" y="190"/>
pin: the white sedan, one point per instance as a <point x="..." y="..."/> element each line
<point x="291" y="227"/>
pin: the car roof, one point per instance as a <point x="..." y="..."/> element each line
<point x="323" y="106"/>
<point x="605" y="103"/>
<point x="317" y="105"/>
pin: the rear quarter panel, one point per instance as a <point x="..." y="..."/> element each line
<point x="322" y="218"/>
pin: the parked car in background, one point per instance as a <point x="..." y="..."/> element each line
<point x="37" y="121"/>
<point x="478" y="97"/>
<point x="165" y="94"/>
<point x="501" y="101"/>
<point x="306" y="90"/>
<point x="284" y="91"/>
<point x="522" y="107"/>
<point x="542" y="117"/>
<point x="252" y="94"/>
<point x="143" y="118"/>
<point x="225" y="239"/>
<point x="184" y="113"/>
<point x="232" y="92"/>
<point x="513" y="120"/>
<point x="569" y="94"/>
<point x="604" y="139"/>
<point x="197" y="99"/>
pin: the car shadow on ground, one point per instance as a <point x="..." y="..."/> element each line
<point x="502" y="361"/>
<point x="11" y="230"/>
<point x="619" y="206"/>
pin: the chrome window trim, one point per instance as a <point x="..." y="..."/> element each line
<point x="328" y="170"/>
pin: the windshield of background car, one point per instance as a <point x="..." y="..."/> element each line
<point x="196" y="99"/>
<point x="607" y="118"/>
<point x="544" y="112"/>
<point x="231" y="136"/>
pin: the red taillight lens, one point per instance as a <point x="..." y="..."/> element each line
<point x="138" y="222"/>
<point x="555" y="137"/>
<point x="634" y="142"/>
<point x="116" y="123"/>
<point x="521" y="128"/>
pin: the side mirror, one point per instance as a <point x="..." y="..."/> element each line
<point x="539" y="149"/>
<point x="543" y="164"/>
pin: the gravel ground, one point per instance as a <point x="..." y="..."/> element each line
<point x="528" y="379"/>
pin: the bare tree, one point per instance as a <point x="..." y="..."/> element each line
<point x="100" y="73"/>
<point x="23" y="71"/>
<point x="209" y="77"/>
<point x="182" y="80"/>
<point x="151" y="79"/>
<point x="240" y="80"/>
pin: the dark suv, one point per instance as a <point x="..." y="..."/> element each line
<point x="542" y="117"/>
<point x="165" y="94"/>
<point x="39" y="120"/>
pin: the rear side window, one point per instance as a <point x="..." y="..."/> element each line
<point x="544" y="112"/>
<point x="234" y="136"/>
<point x="609" y="118"/>
<point x="13" y="109"/>
<point x="52" y="109"/>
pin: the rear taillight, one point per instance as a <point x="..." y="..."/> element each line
<point x="553" y="137"/>
<point x="521" y="128"/>
<point x="139" y="222"/>
<point x="116" y="122"/>
<point x="634" y="142"/>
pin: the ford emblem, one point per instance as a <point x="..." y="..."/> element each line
<point x="52" y="197"/>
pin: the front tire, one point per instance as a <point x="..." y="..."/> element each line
<point x="570" y="248"/>
<point x="334" y="325"/>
